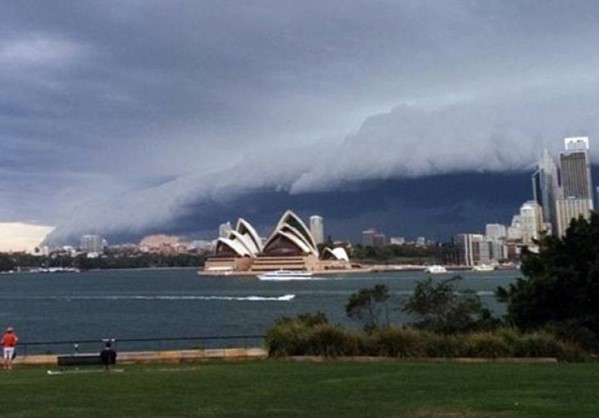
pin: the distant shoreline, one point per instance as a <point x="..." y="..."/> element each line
<point x="100" y="270"/>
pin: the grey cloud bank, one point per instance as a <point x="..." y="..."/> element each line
<point x="124" y="116"/>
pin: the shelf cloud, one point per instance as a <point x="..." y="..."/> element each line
<point x="126" y="116"/>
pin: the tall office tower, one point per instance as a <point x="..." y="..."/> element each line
<point x="380" y="240"/>
<point x="576" y="193"/>
<point x="545" y="190"/>
<point x="317" y="228"/>
<point x="514" y="231"/>
<point x="93" y="243"/>
<point x="495" y="232"/>
<point x="224" y="230"/>
<point x="469" y="248"/>
<point x="531" y="221"/>
<point x="368" y="237"/>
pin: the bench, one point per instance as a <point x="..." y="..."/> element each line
<point x="79" y="360"/>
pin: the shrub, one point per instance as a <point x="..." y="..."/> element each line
<point x="444" y="346"/>
<point x="485" y="345"/>
<point x="309" y="335"/>
<point x="545" y="344"/>
<point x="313" y="335"/>
<point x="577" y="331"/>
<point x="398" y="342"/>
<point x="331" y="341"/>
<point x="287" y="338"/>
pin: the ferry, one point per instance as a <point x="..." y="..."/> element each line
<point x="436" y="269"/>
<point x="55" y="270"/>
<point x="483" y="268"/>
<point x="285" y="275"/>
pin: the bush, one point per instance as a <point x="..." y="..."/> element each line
<point x="331" y="341"/>
<point x="310" y="335"/>
<point x="397" y="342"/>
<point x="544" y="344"/>
<point x="577" y="331"/>
<point x="444" y="346"/>
<point x="485" y="345"/>
<point x="287" y="338"/>
<point x="306" y="336"/>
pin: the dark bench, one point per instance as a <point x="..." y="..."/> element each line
<point x="79" y="360"/>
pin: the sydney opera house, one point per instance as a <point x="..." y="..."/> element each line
<point x="290" y="246"/>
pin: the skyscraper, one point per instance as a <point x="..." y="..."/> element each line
<point x="576" y="170"/>
<point x="317" y="228"/>
<point x="224" y="230"/>
<point x="576" y="192"/>
<point x="545" y="189"/>
<point x="368" y="237"/>
<point x="469" y="248"/>
<point x="93" y="243"/>
<point x="531" y="222"/>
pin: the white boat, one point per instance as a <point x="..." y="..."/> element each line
<point x="55" y="270"/>
<point x="285" y="275"/>
<point x="483" y="268"/>
<point x="436" y="269"/>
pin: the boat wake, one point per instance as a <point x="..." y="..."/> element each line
<point x="250" y="298"/>
<point x="289" y="279"/>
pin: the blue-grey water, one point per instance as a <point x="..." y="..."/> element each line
<point x="141" y="304"/>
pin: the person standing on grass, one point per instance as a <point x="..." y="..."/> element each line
<point x="9" y="341"/>
<point x="108" y="355"/>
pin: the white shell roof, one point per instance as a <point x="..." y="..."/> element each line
<point x="234" y="245"/>
<point x="242" y="225"/>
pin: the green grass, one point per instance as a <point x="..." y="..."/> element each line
<point x="277" y="388"/>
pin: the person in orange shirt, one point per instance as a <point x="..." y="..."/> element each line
<point x="9" y="341"/>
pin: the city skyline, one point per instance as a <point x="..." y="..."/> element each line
<point x="128" y="118"/>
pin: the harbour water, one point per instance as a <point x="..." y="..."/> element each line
<point x="161" y="304"/>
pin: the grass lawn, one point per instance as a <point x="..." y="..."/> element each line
<point x="287" y="389"/>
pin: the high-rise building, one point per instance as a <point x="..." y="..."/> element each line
<point x="368" y="237"/>
<point x="531" y="222"/>
<point x="224" y="230"/>
<point x="495" y="231"/>
<point x="575" y="170"/>
<point x="545" y="190"/>
<point x="317" y="228"/>
<point x="93" y="243"/>
<point x="514" y="231"/>
<point x="380" y="240"/>
<point x="575" y="196"/>
<point x="469" y="249"/>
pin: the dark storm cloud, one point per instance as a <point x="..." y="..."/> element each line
<point x="125" y="116"/>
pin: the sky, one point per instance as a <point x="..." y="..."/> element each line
<point x="130" y="117"/>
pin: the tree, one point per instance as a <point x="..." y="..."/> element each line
<point x="6" y="262"/>
<point x="561" y="284"/>
<point x="440" y="308"/>
<point x="370" y="306"/>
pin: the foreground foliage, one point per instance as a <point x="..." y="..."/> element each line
<point x="439" y="307"/>
<point x="304" y="336"/>
<point x="370" y="306"/>
<point x="561" y="287"/>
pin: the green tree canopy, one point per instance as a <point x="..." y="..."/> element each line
<point x="561" y="284"/>
<point x="439" y="307"/>
<point x="370" y="306"/>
